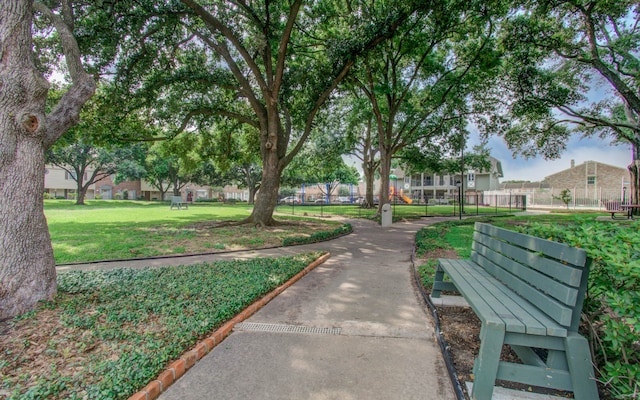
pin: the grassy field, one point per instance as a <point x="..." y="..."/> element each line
<point x="128" y="229"/>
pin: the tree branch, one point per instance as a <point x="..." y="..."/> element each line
<point x="284" y="42"/>
<point x="237" y="73"/>
<point x="215" y="25"/>
<point x="67" y="112"/>
<point x="225" y="113"/>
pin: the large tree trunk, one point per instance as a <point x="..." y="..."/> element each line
<point x="273" y="148"/>
<point x="81" y="188"/>
<point x="368" y="180"/>
<point x="266" y="200"/>
<point x="267" y="197"/>
<point x="81" y="195"/>
<point x="27" y="266"/>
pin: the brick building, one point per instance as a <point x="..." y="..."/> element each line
<point x="590" y="185"/>
<point x="590" y="177"/>
<point x="107" y="189"/>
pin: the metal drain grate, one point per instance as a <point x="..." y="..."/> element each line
<point x="259" y="327"/>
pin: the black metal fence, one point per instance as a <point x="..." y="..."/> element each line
<point x="472" y="204"/>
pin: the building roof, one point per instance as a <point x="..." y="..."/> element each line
<point x="582" y="166"/>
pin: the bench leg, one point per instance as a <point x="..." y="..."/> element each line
<point x="485" y="368"/>
<point x="581" y="367"/>
<point x="438" y="278"/>
<point x="557" y="359"/>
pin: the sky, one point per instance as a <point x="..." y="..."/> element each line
<point x="580" y="150"/>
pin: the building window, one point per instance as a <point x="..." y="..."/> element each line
<point x="69" y="175"/>
<point x="428" y="180"/>
<point x="415" y="180"/>
<point x="591" y="180"/>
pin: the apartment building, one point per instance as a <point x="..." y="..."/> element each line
<point x="428" y="185"/>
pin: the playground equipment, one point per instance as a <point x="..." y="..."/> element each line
<point x="399" y="195"/>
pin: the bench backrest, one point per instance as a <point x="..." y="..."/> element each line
<point x="550" y="275"/>
<point x="176" y="199"/>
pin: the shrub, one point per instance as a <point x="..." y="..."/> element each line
<point x="318" y="236"/>
<point x="612" y="306"/>
<point x="431" y="238"/>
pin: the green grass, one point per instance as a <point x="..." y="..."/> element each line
<point x="129" y="229"/>
<point x="459" y="238"/>
<point x="109" y="333"/>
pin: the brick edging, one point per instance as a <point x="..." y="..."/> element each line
<point x="178" y="368"/>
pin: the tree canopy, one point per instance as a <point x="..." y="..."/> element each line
<point x="420" y="82"/>
<point x="556" y="53"/>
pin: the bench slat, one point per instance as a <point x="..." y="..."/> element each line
<point x="559" y="271"/>
<point x="559" y="251"/>
<point x="479" y="305"/>
<point x="537" y="321"/>
<point x="534" y="321"/>
<point x="504" y="306"/>
<point x="505" y="257"/>
<point x="556" y="310"/>
<point x="503" y="302"/>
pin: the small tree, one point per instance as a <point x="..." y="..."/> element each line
<point x="565" y="197"/>
<point x="85" y="163"/>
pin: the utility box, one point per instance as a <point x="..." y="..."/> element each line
<point x="387" y="215"/>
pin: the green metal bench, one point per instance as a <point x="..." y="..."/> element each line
<point x="528" y="293"/>
<point x="177" y="202"/>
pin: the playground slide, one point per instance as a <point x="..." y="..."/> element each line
<point x="400" y="196"/>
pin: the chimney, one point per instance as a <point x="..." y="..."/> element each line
<point x="573" y="163"/>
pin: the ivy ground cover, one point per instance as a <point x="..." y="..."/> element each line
<point x="109" y="333"/>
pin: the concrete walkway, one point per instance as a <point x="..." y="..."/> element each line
<point x="353" y="328"/>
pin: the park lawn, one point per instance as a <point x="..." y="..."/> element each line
<point x="107" y="334"/>
<point x="103" y="230"/>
